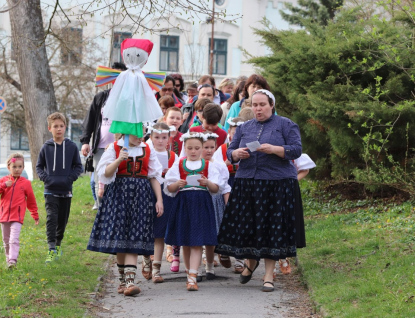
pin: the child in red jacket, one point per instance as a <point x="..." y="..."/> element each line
<point x="16" y="194"/>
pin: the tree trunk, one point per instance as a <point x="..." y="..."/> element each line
<point x="28" y="39"/>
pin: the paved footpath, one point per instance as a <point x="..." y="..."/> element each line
<point x="222" y="297"/>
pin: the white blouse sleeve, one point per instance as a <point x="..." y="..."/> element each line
<point x="171" y="177"/>
<point x="107" y="158"/>
<point x="224" y="173"/>
<point x="176" y="159"/>
<point x="304" y="162"/>
<point x="217" y="156"/>
<point x="214" y="173"/>
<point x="154" y="167"/>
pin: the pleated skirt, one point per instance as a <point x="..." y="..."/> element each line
<point x="191" y="220"/>
<point x="259" y="220"/>
<point x="124" y="222"/>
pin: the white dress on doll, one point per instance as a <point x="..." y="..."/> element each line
<point x="131" y="100"/>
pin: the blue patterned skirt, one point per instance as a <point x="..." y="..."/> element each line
<point x="160" y="224"/>
<point x="124" y="222"/>
<point x="192" y="220"/>
<point x="259" y="220"/>
<point x="219" y="207"/>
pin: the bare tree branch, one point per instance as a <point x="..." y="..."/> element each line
<point x="11" y="8"/>
<point x="5" y="75"/>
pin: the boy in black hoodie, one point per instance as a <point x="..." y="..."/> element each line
<point x="58" y="166"/>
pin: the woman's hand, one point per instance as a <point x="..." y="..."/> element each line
<point x="240" y="153"/>
<point x="159" y="208"/>
<point x="267" y="148"/>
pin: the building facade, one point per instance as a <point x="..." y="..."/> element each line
<point x="182" y="45"/>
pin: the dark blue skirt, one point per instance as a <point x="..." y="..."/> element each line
<point x="259" y="220"/>
<point x="124" y="222"/>
<point x="160" y="224"/>
<point x="192" y="220"/>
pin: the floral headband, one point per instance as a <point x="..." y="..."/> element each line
<point x="233" y="124"/>
<point x="160" y="131"/>
<point x="266" y="92"/>
<point x="187" y="135"/>
<point x="211" y="135"/>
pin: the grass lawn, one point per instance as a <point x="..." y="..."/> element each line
<point x="62" y="288"/>
<point x="359" y="260"/>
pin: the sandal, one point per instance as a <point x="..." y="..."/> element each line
<point x="268" y="289"/>
<point x="225" y="261"/>
<point x="285" y="267"/>
<point x="169" y="253"/>
<point x="121" y="288"/>
<point x="175" y="265"/>
<point x="238" y="267"/>
<point x="244" y="279"/>
<point x="156" y="274"/>
<point x="146" y="268"/>
<point x="191" y="283"/>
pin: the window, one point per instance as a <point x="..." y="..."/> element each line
<point x="169" y="53"/>
<point x="18" y="139"/>
<point x="71" y="47"/>
<point x="220" y="52"/>
<point x="117" y="39"/>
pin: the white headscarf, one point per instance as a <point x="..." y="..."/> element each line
<point x="266" y="92"/>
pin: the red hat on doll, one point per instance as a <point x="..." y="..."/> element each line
<point x="143" y="44"/>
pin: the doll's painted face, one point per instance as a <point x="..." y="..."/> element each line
<point x="134" y="56"/>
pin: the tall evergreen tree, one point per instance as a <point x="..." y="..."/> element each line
<point x="310" y="10"/>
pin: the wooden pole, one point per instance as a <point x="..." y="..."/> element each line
<point x="212" y="40"/>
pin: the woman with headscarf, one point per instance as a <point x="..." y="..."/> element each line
<point x="259" y="220"/>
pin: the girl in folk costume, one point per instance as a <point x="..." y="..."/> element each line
<point x="174" y="117"/>
<point x="219" y="202"/>
<point x="220" y="156"/>
<point x="192" y="221"/>
<point x="124" y="222"/>
<point x="160" y="134"/>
